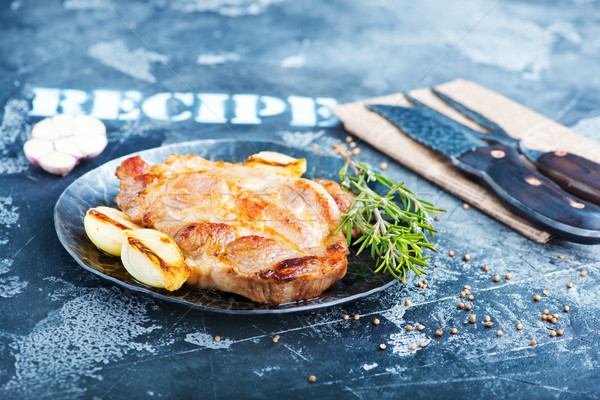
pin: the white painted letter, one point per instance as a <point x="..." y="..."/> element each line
<point x="45" y="102"/>
<point x="245" y="109"/>
<point x="212" y="108"/>
<point x="303" y="111"/>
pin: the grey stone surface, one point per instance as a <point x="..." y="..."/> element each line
<point x="268" y="69"/>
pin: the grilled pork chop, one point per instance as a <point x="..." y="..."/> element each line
<point x="243" y="229"/>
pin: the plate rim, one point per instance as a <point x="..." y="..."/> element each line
<point x="149" y="292"/>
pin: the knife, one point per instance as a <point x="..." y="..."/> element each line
<point x="573" y="173"/>
<point x="526" y="191"/>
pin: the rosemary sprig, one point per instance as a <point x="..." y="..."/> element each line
<point x="393" y="229"/>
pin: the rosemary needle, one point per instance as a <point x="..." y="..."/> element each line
<point x="393" y="229"/>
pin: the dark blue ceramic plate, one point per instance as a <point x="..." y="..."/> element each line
<point x="100" y="186"/>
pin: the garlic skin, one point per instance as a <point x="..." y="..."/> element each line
<point x="105" y="226"/>
<point x="279" y="163"/>
<point x="154" y="258"/>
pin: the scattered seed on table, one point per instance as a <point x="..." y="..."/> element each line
<point x="533" y="342"/>
<point x="346" y="316"/>
<point x="471" y="297"/>
<point x="352" y="145"/>
<point x="467" y="287"/>
<point x="383" y="165"/>
<point x="439" y="332"/>
<point x="536" y="297"/>
<point x="376" y="321"/>
<point x="420" y="327"/>
<point x="461" y="305"/>
<point x="462" y="294"/>
<point x="436" y="265"/>
<point x="425" y="282"/>
<point x="497" y="278"/>
<point x="561" y="256"/>
<point x="545" y="292"/>
<point x="348" y="139"/>
<point x="466" y="257"/>
<point x="356" y="317"/>
<point x="489" y="324"/>
<point x="276" y="339"/>
<point x="382" y="346"/>
<point x="356" y="151"/>
<point x="217" y="338"/>
<point x="559" y="332"/>
<point x="315" y="146"/>
<point x="566" y="308"/>
<point x="407" y="303"/>
<point x="409" y="328"/>
<point x="438" y="218"/>
<point x="555" y="315"/>
<point x="472" y="319"/>
<point x="508" y="277"/>
<point x="553" y="320"/>
<point x="486" y="268"/>
<point x="487" y="318"/>
<point x="312" y="378"/>
<point x="413" y="346"/>
<point x="499" y="333"/>
<point x="546" y="312"/>
<point x="552" y="333"/>
<point x="468" y="307"/>
<point x="584" y="273"/>
<point x="544" y="317"/>
<point x="421" y="344"/>
<point x="454" y="331"/>
<point x="466" y="206"/>
<point x="569" y="285"/>
<point x="519" y="326"/>
<point x="451" y="253"/>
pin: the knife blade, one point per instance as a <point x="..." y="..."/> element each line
<point x="523" y="189"/>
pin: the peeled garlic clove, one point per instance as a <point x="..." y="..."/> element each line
<point x="35" y="149"/>
<point x="280" y="163"/>
<point x="154" y="258"/>
<point x="105" y="226"/>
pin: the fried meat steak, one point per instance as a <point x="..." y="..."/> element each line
<point x="243" y="229"/>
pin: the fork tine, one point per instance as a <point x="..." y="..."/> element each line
<point x="493" y="127"/>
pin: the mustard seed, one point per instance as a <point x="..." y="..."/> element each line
<point x="439" y="332"/>
<point x="437" y="265"/>
<point x="466" y="206"/>
<point x="561" y="256"/>
<point x="559" y="332"/>
<point x="567" y="308"/>
<point x="468" y="307"/>
<point x="462" y="294"/>
<point x="467" y="287"/>
<point x="356" y="317"/>
<point x="569" y="285"/>
<point x="553" y="320"/>
<point x="352" y="145"/>
<point x="489" y="324"/>
<point x="584" y="273"/>
<point x="533" y="342"/>
<point x="217" y="338"/>
<point x="487" y="318"/>
<point x="546" y="312"/>
<point x="407" y="303"/>
<point x="312" y="378"/>
<point x="409" y="328"/>
<point x="438" y="218"/>
<point x="499" y="333"/>
<point x="536" y="297"/>
<point x="461" y="305"/>
<point x="413" y="346"/>
<point x="382" y="346"/>
<point x="376" y="321"/>
<point x="346" y="316"/>
<point x="508" y="277"/>
<point x="552" y="333"/>
<point x="451" y="253"/>
<point x="545" y="293"/>
<point x="454" y="331"/>
<point x="497" y="278"/>
<point x="555" y="315"/>
<point x="315" y="146"/>
<point x="348" y="139"/>
<point x="421" y="344"/>
<point x="275" y="339"/>
<point x="420" y="327"/>
<point x="356" y="151"/>
<point x="383" y="166"/>
<point x="544" y="317"/>
<point x="471" y="297"/>
<point x="472" y="319"/>
<point x="519" y="326"/>
<point x="486" y="268"/>
<point x="425" y="282"/>
<point x="466" y="257"/>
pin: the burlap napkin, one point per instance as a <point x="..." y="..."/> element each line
<point x="538" y="133"/>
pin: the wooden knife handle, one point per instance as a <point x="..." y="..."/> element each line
<point x="575" y="174"/>
<point x="532" y="195"/>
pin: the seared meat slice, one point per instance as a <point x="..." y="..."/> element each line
<point x="242" y="228"/>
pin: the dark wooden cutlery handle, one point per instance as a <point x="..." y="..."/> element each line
<point x="575" y="174"/>
<point x="532" y="195"/>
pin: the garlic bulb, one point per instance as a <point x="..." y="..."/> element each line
<point x="105" y="226"/>
<point x="279" y="163"/>
<point x="154" y="258"/>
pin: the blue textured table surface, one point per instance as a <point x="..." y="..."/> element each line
<point x="273" y="69"/>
